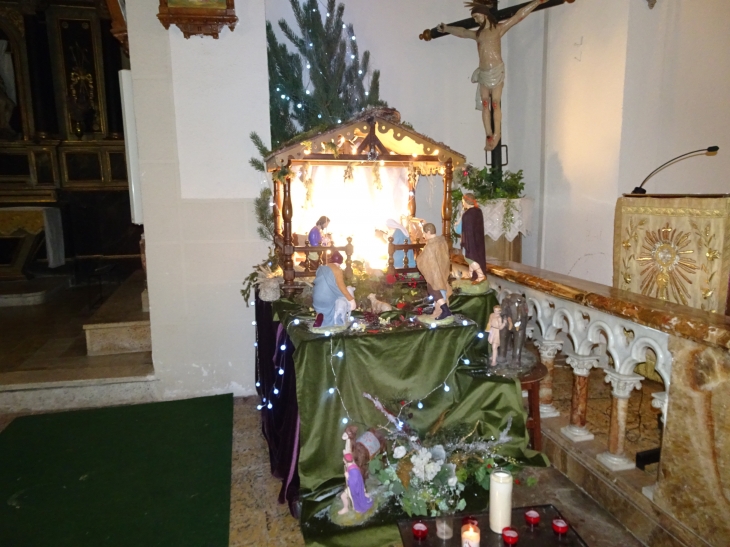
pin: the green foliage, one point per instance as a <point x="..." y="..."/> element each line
<point x="335" y="79"/>
<point x="264" y="215"/>
<point x="487" y="184"/>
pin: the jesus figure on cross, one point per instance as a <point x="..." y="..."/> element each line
<point x="490" y="74"/>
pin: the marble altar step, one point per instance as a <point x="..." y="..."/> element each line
<point x="30" y="292"/>
<point x="620" y="493"/>
<point x="120" y="325"/>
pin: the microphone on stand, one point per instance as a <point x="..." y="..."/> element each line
<point x="640" y="190"/>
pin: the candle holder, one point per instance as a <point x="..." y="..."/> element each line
<point x="510" y="536"/>
<point x="560" y="527"/>
<point x="443" y="528"/>
<point x="532" y="518"/>
<point x="420" y="531"/>
<point x="470" y="535"/>
<point x="500" y="500"/>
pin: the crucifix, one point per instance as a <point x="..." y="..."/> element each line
<point x="491" y="25"/>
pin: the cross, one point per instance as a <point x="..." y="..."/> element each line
<point x="469" y="23"/>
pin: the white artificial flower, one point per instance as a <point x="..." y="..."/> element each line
<point x="452" y="481"/>
<point x="438" y="452"/>
<point x="413" y="439"/>
<point x="432" y="469"/>
<point x="399" y="452"/>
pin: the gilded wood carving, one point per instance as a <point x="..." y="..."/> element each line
<point x="198" y="17"/>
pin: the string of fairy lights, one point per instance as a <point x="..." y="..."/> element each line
<point x="336" y="359"/>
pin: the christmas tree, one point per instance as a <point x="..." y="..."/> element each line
<point x="323" y="82"/>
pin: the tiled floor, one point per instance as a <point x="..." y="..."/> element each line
<point x="46" y="343"/>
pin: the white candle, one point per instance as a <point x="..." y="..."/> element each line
<point x="500" y="500"/>
<point x="470" y="536"/>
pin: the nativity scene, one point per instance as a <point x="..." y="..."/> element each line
<point x="360" y="314"/>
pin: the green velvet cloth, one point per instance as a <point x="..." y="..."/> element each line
<point x="476" y="307"/>
<point x="406" y="364"/>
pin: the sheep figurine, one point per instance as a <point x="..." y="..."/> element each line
<point x="342" y="308"/>
<point x="377" y="306"/>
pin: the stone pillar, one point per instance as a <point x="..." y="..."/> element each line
<point x="548" y="350"/>
<point x="577" y="431"/>
<point x="660" y="400"/>
<point x="622" y="384"/>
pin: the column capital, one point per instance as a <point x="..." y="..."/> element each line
<point x="660" y="400"/>
<point x="548" y="348"/>
<point x="623" y="384"/>
<point x="582" y="364"/>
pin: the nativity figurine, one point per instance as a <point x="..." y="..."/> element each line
<point x="495" y="324"/>
<point x="434" y="263"/>
<point x="472" y="238"/>
<point x="331" y="297"/>
<point x="490" y="74"/>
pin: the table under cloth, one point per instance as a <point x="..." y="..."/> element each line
<point x="305" y="424"/>
<point x="33" y="220"/>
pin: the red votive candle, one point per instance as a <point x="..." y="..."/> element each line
<point x="510" y="536"/>
<point x="420" y="531"/>
<point x="560" y="526"/>
<point x="470" y="520"/>
<point x="532" y="517"/>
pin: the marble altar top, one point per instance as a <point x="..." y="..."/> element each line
<point x="704" y="327"/>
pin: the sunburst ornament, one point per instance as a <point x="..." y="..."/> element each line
<point x="667" y="268"/>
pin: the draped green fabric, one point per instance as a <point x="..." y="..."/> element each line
<point x="476" y="307"/>
<point x="406" y="364"/>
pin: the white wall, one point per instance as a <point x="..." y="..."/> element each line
<point x="195" y="105"/>
<point x="676" y="96"/>
<point x="624" y="88"/>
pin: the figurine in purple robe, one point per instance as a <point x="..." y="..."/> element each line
<point x="472" y="238"/>
<point x="355" y="489"/>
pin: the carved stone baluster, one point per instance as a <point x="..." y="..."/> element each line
<point x="446" y="205"/>
<point x="623" y="385"/>
<point x="548" y="350"/>
<point x="659" y="400"/>
<point x="577" y="431"/>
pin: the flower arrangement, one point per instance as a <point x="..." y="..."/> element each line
<point x="487" y="184"/>
<point x="430" y="481"/>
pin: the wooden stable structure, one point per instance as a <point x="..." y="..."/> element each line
<point x="375" y="137"/>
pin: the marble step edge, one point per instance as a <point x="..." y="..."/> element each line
<point x="121" y="324"/>
<point x="78" y="383"/>
<point x="622" y="487"/>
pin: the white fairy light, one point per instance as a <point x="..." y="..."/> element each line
<point x="299" y="105"/>
<point x="252" y="303"/>
<point x="480" y="335"/>
<point x="353" y="38"/>
<point x="344" y="420"/>
<point x="308" y="66"/>
<point x="258" y="384"/>
<point x="328" y="14"/>
<point x="420" y="404"/>
<point x="283" y="96"/>
<point x="269" y="406"/>
<point x="331" y="390"/>
<point x="255" y="344"/>
<point x="327" y="333"/>
<point x="339" y="121"/>
<point x="307" y="92"/>
<point x="344" y="25"/>
<point x="259" y="407"/>
<point x="311" y="44"/>
<point x="281" y="372"/>
<point x="340" y="354"/>
<point x="264" y="399"/>
<point x="253" y="323"/>
<point x="296" y="321"/>
<point x="433" y="325"/>
<point x="359" y="71"/>
<point x="467" y="362"/>
<point x="276" y="391"/>
<point x="465" y="322"/>
<point x="319" y="115"/>
<point x="352" y="56"/>
<point x="446" y="387"/>
<point x="282" y="347"/>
